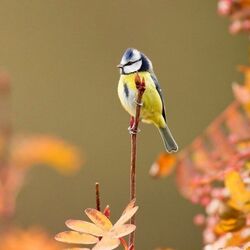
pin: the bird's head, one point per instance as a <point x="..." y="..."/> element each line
<point x="134" y="61"/>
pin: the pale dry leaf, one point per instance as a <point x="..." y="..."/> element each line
<point x="84" y="227"/>
<point x="99" y="219"/>
<point x="126" y="216"/>
<point x="122" y="230"/>
<point x="129" y="206"/>
<point x="107" y="243"/>
<point x="76" y="238"/>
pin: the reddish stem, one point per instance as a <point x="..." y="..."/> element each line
<point x="97" y="195"/>
<point x="140" y="85"/>
<point x="124" y="243"/>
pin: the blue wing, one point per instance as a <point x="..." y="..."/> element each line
<point x="158" y="88"/>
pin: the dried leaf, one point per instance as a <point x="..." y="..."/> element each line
<point x="129" y="206"/>
<point x="122" y="230"/>
<point x="240" y="196"/>
<point x="226" y="212"/>
<point x="99" y="219"/>
<point x="126" y="216"/>
<point x="76" y="238"/>
<point x="230" y="225"/>
<point x="231" y="220"/>
<point x="102" y="227"/>
<point x="84" y="227"/>
<point x="107" y="243"/>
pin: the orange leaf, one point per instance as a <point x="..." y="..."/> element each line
<point x="230" y="225"/>
<point x="99" y="219"/>
<point x="84" y="227"/>
<point x="163" y="166"/>
<point x="28" y="151"/>
<point x="240" y="196"/>
<point x="76" y="238"/>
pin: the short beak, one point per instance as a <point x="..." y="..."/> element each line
<point x="119" y="66"/>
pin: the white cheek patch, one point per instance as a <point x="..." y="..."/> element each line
<point x="132" y="68"/>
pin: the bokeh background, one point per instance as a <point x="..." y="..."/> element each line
<point x="62" y="55"/>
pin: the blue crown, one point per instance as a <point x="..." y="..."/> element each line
<point x="128" y="54"/>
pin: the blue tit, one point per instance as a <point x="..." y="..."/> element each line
<point x="153" y="109"/>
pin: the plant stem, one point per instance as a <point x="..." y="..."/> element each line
<point x="124" y="243"/>
<point x="140" y="85"/>
<point x="97" y="195"/>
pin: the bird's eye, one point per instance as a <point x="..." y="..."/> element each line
<point x="130" y="63"/>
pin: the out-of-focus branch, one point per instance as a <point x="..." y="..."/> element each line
<point x="5" y="118"/>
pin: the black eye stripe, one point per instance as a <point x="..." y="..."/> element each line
<point x="130" y="63"/>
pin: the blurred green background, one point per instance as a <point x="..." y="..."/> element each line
<point x="62" y="54"/>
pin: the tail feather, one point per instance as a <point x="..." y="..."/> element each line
<point x="168" y="139"/>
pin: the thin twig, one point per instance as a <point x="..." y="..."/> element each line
<point x="140" y="85"/>
<point x="124" y="243"/>
<point x="97" y="195"/>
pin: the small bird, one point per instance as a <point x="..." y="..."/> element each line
<point x="134" y="62"/>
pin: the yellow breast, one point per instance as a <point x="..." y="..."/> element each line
<point x="127" y="92"/>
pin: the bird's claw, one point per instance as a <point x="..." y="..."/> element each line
<point x="133" y="131"/>
<point x="138" y="103"/>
